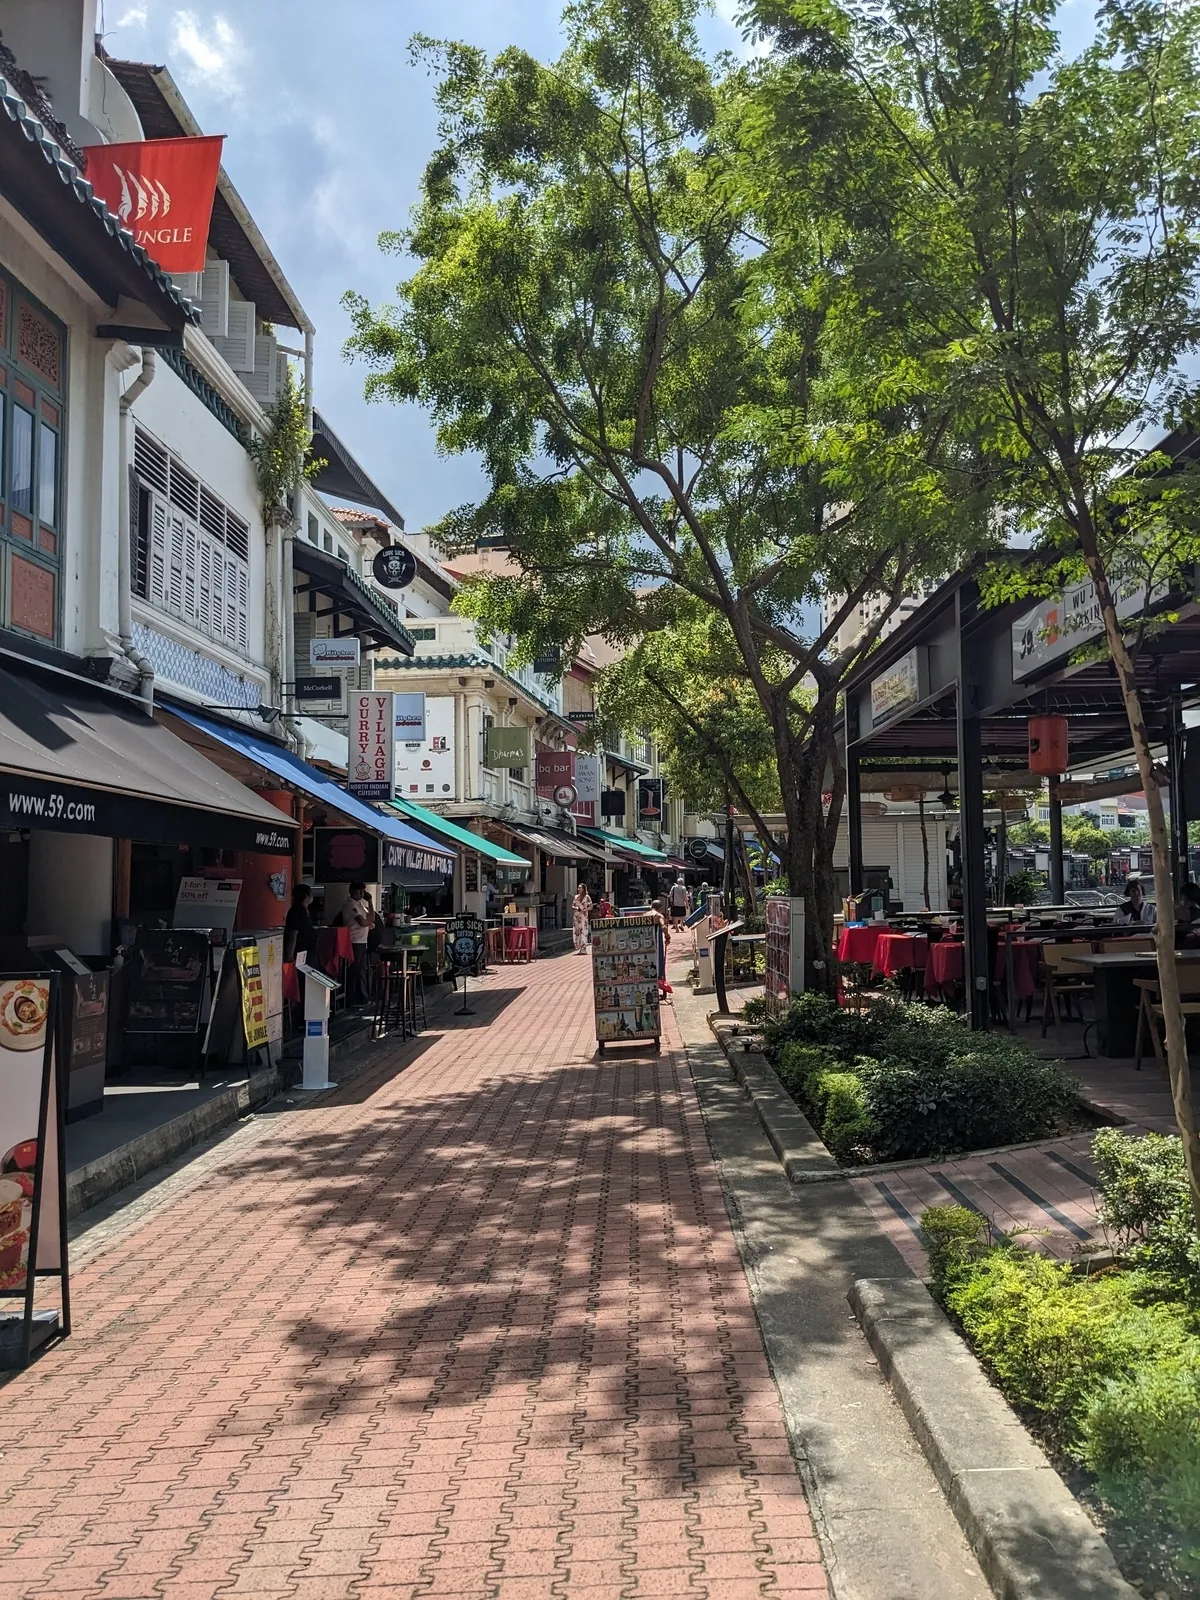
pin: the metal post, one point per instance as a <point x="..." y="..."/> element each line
<point x="1058" y="894"/>
<point x="971" y="842"/>
<point x="1179" y="816"/>
<point x="854" y="820"/>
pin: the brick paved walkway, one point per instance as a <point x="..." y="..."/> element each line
<point x="478" y="1328"/>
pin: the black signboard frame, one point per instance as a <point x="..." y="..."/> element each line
<point x="46" y="1325"/>
<point x="317" y="689"/>
<point x="394" y="567"/>
<point x="326" y="871"/>
<point x="169" y="1002"/>
<point x="466" y="945"/>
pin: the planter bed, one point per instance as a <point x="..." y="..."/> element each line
<point x="900" y="1082"/>
<point x="1104" y="1370"/>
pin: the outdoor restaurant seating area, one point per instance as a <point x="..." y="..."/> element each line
<point x="1066" y="970"/>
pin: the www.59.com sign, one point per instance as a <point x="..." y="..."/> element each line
<point x="29" y="802"/>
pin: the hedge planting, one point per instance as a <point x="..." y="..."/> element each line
<point x="896" y="1081"/>
<point x="1105" y="1368"/>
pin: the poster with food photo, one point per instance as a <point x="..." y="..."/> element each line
<point x="29" y="1186"/>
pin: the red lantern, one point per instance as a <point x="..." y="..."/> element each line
<point x="1048" y="745"/>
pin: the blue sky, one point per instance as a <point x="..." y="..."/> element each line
<point x="328" y="128"/>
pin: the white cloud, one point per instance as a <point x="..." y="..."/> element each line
<point x="134" y="17"/>
<point x="211" y="53"/>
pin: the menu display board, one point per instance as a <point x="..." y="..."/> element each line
<point x="784" y="952"/>
<point x="167" y="983"/>
<point x="466" y="937"/>
<point x="625" y="991"/>
<point x="32" y="1181"/>
<point x="207" y="903"/>
<point x="270" y="959"/>
<point x="254" y="996"/>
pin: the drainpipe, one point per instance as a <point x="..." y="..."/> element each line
<point x="145" y="671"/>
<point x="287" y="576"/>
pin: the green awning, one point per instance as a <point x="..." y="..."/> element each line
<point x="620" y="841"/>
<point x="451" y="830"/>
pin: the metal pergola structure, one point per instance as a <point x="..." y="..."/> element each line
<point x="956" y="686"/>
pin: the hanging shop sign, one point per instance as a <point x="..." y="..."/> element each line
<point x="29" y="802"/>
<point x="548" y="663"/>
<point x="898" y="688"/>
<point x="1060" y="624"/>
<point x="697" y="850"/>
<point x="587" y="777"/>
<point x="334" y="652"/>
<point x="33" y="1216"/>
<point x="649" y="801"/>
<point x="372" y="755"/>
<point x="162" y="190"/>
<point x="411" y="858"/>
<point x="410" y="717"/>
<point x="167" y="981"/>
<point x="507" y="747"/>
<point x="344" y="855"/>
<point x="554" y="769"/>
<point x="254" y="996"/>
<point x="581" y="716"/>
<point x="612" y="803"/>
<point x="505" y="872"/>
<point x="318" y="688"/>
<point x="565" y="796"/>
<point x="395" y="567"/>
<point x="426" y="767"/>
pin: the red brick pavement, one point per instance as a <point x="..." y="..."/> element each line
<point x="476" y="1328"/>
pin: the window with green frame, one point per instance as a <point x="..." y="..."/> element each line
<point x="32" y="385"/>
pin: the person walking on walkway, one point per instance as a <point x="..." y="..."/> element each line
<point x="680" y="902"/>
<point x="581" y="909"/>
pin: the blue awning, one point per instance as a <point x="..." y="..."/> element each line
<point x="414" y="850"/>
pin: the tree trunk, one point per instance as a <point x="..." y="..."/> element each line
<point x="797" y="762"/>
<point x="1164" y="931"/>
<point x="924" y="852"/>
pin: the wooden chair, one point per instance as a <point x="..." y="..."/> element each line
<point x="1064" y="980"/>
<point x="1150" y="1010"/>
<point x="1127" y="947"/>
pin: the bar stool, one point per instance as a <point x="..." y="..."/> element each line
<point x="413" y="989"/>
<point x="520" y="943"/>
<point x="390" y="995"/>
<point x="495" y="944"/>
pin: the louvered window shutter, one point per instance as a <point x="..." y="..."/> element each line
<point x="156" y="586"/>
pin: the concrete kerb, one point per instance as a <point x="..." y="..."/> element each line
<point x="793" y="1138"/>
<point x="1030" y="1534"/>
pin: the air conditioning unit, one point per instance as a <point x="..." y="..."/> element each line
<point x="214" y="299"/>
<point x="238" y="345"/>
<point x="263" y="382"/>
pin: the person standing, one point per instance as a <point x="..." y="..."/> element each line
<point x="680" y="901"/>
<point x="581" y="910"/>
<point x="299" y="935"/>
<point x="359" y="916"/>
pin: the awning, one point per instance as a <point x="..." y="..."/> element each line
<point x="404" y="847"/>
<point x="463" y="836"/>
<point x="558" y="846"/>
<point x="77" y="759"/>
<point x="631" y="847"/>
<point x="347" y="596"/>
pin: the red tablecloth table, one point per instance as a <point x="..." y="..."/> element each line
<point x="858" y="942"/>
<point x="1025" y="956"/>
<point x="894" y="952"/>
<point x="291" y="983"/>
<point x="945" y="964"/>
<point x="333" y="947"/>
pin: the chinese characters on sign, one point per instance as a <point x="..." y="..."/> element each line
<point x="372" y="747"/>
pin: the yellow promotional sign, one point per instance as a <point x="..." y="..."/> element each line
<point x="254" y="997"/>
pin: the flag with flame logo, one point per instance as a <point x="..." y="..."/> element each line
<point x="162" y="191"/>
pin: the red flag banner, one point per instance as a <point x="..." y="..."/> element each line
<point x="162" y="190"/>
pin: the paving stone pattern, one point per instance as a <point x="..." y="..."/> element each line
<point x="474" y="1328"/>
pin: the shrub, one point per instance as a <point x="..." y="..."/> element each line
<point x="1146" y="1207"/>
<point x="954" y="1237"/>
<point x="1054" y="1339"/>
<point x="840" y="1103"/>
<point x="754" y="1012"/>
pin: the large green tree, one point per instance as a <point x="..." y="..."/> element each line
<point x="1040" y="215"/>
<point x="664" y="369"/>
